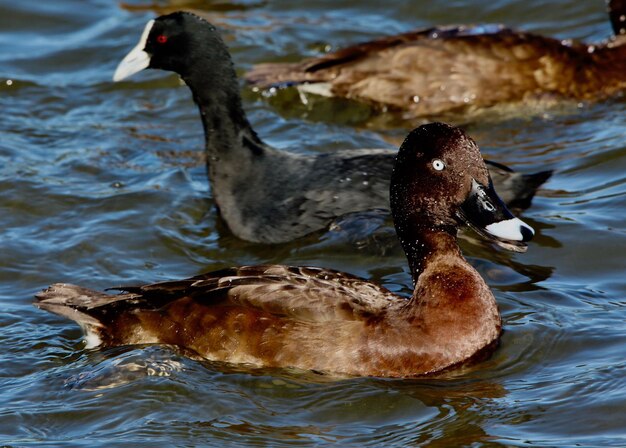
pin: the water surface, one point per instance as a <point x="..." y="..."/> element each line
<point x="104" y="184"/>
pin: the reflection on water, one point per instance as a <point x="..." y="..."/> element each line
<point x="104" y="184"/>
<point x="122" y="369"/>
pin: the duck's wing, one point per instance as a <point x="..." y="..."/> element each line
<point x="303" y="293"/>
<point x="306" y="293"/>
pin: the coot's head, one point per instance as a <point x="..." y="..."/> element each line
<point x="180" y="42"/>
<point x="440" y="180"/>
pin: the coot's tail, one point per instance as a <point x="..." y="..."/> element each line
<point x="525" y="187"/>
<point x="516" y="189"/>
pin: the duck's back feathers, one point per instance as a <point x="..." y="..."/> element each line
<point x="301" y="293"/>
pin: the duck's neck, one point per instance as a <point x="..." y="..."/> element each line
<point x="451" y="302"/>
<point x="422" y="244"/>
<point x="228" y="134"/>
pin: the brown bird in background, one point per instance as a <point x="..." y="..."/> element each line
<point x="461" y="69"/>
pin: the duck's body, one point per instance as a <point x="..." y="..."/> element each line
<point x="264" y="194"/>
<point x="461" y="69"/>
<point x="307" y="318"/>
<point x="323" y="320"/>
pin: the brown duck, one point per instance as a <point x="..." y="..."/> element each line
<point x="461" y="69"/>
<point x="328" y="321"/>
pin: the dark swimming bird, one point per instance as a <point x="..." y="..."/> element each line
<point x="329" y="321"/>
<point x="461" y="69"/>
<point x="264" y="194"/>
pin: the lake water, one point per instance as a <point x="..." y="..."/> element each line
<point x="103" y="184"/>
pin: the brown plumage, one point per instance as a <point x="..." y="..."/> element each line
<point x="328" y="321"/>
<point x="460" y="69"/>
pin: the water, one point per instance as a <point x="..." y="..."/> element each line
<point x="102" y="184"/>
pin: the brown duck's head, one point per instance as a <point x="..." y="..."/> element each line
<point x="440" y="181"/>
<point x="617" y="14"/>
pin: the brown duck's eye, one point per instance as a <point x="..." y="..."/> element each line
<point x="438" y="165"/>
<point x="161" y="38"/>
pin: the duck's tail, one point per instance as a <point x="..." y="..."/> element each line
<point x="80" y="305"/>
<point x="280" y="75"/>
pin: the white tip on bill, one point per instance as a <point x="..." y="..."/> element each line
<point x="511" y="229"/>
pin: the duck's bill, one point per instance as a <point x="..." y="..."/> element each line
<point x="137" y="59"/>
<point x="485" y="212"/>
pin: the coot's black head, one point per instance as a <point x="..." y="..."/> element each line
<point x="180" y="42"/>
<point x="440" y="180"/>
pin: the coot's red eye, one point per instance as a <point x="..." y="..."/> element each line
<point x="161" y="38"/>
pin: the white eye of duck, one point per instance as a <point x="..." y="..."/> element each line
<point x="438" y="164"/>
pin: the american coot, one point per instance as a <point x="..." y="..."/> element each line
<point x="267" y="195"/>
<point x="461" y="69"/>
<point x="328" y="321"/>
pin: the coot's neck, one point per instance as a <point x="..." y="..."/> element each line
<point x="228" y="134"/>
